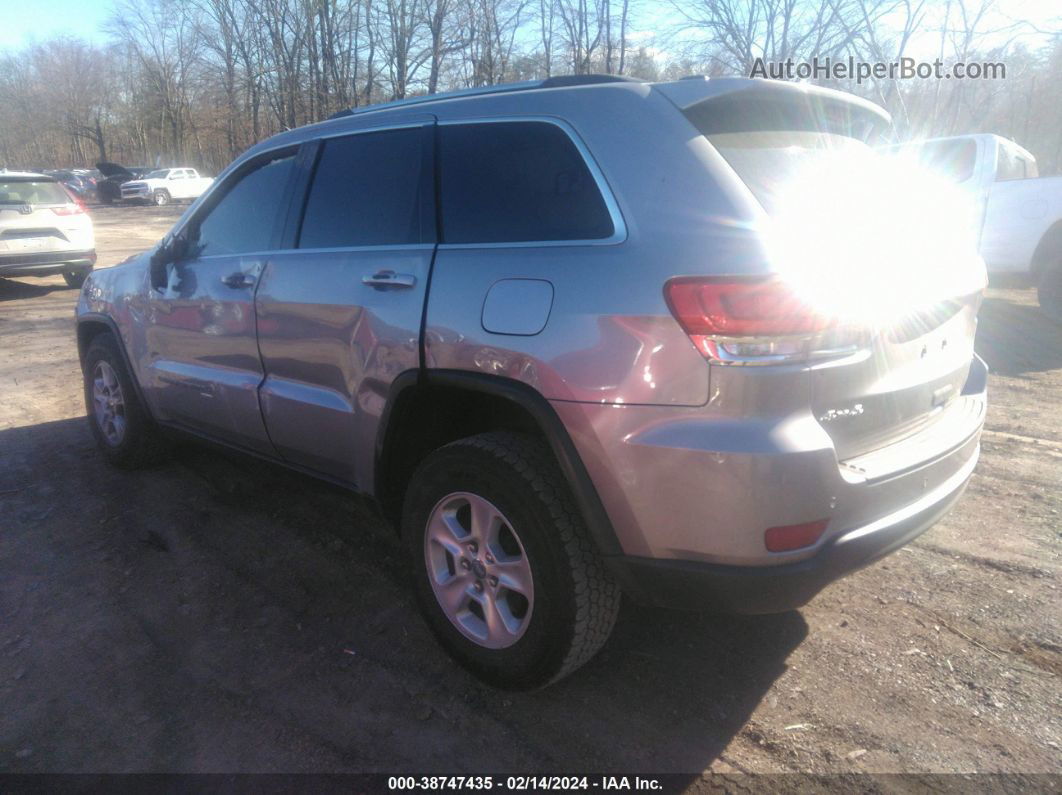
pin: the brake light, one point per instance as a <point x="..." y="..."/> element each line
<point x="743" y="319"/>
<point x="76" y="208"/>
<point x="794" y="536"/>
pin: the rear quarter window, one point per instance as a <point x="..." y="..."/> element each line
<point x="517" y="182"/>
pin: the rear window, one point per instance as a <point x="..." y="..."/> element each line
<point x="766" y="161"/>
<point x="32" y="192"/>
<point x="517" y="182"/>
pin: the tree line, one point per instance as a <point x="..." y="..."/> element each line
<point x="195" y="82"/>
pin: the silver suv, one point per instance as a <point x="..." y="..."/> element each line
<point x="567" y="334"/>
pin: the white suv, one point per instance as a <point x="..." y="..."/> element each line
<point x="43" y="229"/>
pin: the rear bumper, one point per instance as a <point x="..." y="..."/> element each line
<point x="46" y="263"/>
<point x="693" y="585"/>
<point x="690" y="495"/>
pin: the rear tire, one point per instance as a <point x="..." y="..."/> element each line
<point x="124" y="431"/>
<point x="161" y="198"/>
<point x="75" y="278"/>
<point x="1049" y="291"/>
<point x="558" y="606"/>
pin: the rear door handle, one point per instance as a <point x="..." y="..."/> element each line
<point x="238" y="280"/>
<point x="389" y="279"/>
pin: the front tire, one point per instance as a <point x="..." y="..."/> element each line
<point x="75" y="278"/>
<point x="1049" y="291"/>
<point x="505" y="572"/>
<point x="124" y="431"/>
<point x="161" y="198"/>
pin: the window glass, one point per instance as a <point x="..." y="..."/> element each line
<point x="366" y="191"/>
<point x="1008" y="166"/>
<point x="952" y="159"/>
<point x="248" y="214"/>
<point x="766" y="161"/>
<point x="25" y="191"/>
<point x="509" y="182"/>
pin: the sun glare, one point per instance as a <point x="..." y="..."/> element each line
<point x="869" y="238"/>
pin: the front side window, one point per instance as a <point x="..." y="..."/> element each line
<point x="514" y="182"/>
<point x="368" y="190"/>
<point x="248" y="215"/>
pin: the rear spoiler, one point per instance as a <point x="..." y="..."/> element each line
<point x="738" y="104"/>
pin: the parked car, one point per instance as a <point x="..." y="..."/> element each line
<point x="43" y="229"/>
<point x="166" y="185"/>
<point x="110" y="187"/>
<point x="1020" y="212"/>
<point x="542" y="324"/>
<point x="80" y="185"/>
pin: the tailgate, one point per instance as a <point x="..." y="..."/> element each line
<point x="884" y="253"/>
<point x="903" y="382"/>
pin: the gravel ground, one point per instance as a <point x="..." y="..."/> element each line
<point x="221" y="614"/>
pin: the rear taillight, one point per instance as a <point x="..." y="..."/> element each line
<point x="76" y="208"/>
<point x="69" y="209"/>
<point x="745" y="320"/>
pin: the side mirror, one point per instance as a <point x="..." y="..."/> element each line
<point x="170" y="250"/>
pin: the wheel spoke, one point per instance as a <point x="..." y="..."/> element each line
<point x="485" y="520"/>
<point x="514" y="575"/>
<point x="453" y="594"/>
<point x="500" y="627"/>
<point x="443" y="531"/>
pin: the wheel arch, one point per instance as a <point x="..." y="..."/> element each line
<point x="1048" y="251"/>
<point x="92" y="324"/>
<point x="426" y="410"/>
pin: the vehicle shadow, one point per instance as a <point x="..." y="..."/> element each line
<point x="1016" y="339"/>
<point x="11" y="290"/>
<point x="288" y="598"/>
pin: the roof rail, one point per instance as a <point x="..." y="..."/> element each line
<point x="561" y="81"/>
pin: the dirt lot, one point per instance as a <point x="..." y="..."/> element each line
<point x="219" y="614"/>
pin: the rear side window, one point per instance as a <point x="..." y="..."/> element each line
<point x="514" y="182"/>
<point x="32" y="192"/>
<point x="248" y="216"/>
<point x="368" y="190"/>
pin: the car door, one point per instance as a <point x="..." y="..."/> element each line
<point x="177" y="183"/>
<point x="339" y="312"/>
<point x="204" y="367"/>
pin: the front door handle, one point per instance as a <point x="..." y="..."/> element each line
<point x="238" y="280"/>
<point x="389" y="279"/>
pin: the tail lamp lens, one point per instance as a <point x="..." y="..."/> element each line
<point x="733" y="317"/>
<point x="69" y="209"/>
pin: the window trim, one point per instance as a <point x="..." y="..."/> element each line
<point x="619" y="225"/>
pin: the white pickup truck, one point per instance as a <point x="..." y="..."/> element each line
<point x="166" y="185"/>
<point x="1020" y="212"/>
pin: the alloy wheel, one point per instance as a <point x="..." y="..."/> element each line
<point x="108" y="403"/>
<point x="479" y="570"/>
